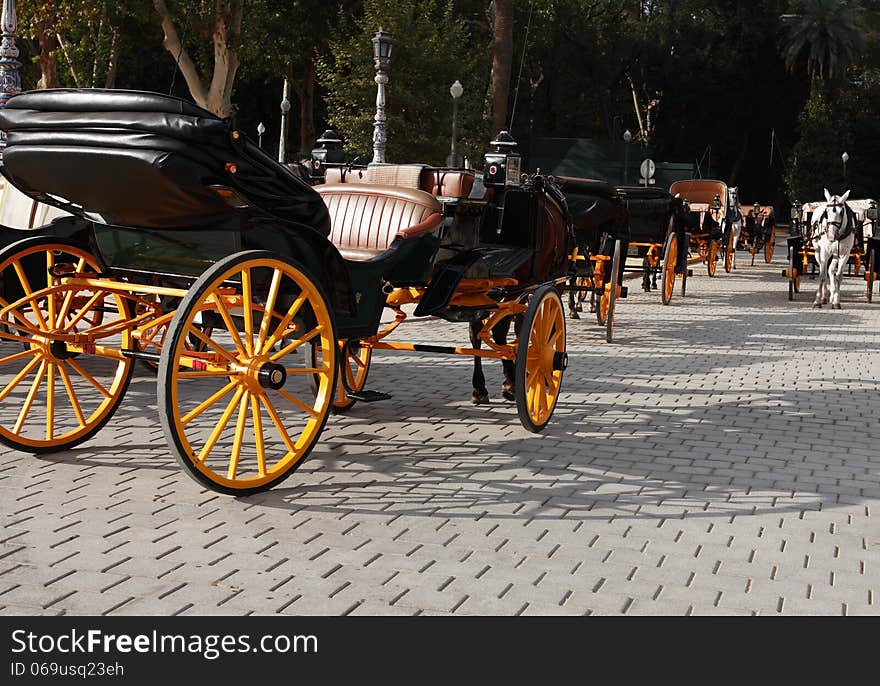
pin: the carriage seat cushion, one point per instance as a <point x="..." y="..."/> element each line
<point x="366" y="218"/>
<point x="447" y="183"/>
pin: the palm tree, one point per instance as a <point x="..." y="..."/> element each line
<point x="828" y="34"/>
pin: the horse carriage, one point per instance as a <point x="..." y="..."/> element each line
<point x="258" y="297"/>
<point x="710" y="218"/>
<point x="759" y="230"/>
<point x="855" y="237"/>
<point x="602" y="233"/>
<point x="658" y="237"/>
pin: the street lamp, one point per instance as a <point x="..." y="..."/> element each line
<point x="383" y="43"/>
<point x="454" y="160"/>
<point x="285" y="112"/>
<point x="261" y="129"/>
<point x="627" y="138"/>
<point x="845" y="158"/>
<point x="10" y="78"/>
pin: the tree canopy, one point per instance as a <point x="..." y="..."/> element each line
<point x="765" y="95"/>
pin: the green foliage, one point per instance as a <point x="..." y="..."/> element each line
<point x="826" y="35"/>
<point x="433" y="48"/>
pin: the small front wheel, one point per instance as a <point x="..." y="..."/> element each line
<point x="770" y="246"/>
<point x="728" y="253"/>
<point x="712" y="257"/>
<point x="541" y="359"/>
<point x="243" y="410"/>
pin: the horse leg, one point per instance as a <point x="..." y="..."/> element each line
<point x="479" y="396"/>
<point x="737" y="230"/>
<point x="823" y="275"/>
<point x="499" y="334"/>
<point x="837" y="278"/>
<point x="572" y="305"/>
<point x="646" y="275"/>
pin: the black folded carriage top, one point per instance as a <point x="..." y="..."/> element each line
<point x="146" y="160"/>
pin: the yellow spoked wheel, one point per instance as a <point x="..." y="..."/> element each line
<point x="355" y="361"/>
<point x="770" y="246"/>
<point x="61" y="372"/>
<point x="670" y="259"/>
<point x="728" y="253"/>
<point x="541" y="359"/>
<point x="608" y="301"/>
<point x="244" y="413"/>
<point x="712" y="257"/>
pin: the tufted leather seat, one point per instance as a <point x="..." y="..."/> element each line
<point x="366" y="218"/>
<point x="447" y="184"/>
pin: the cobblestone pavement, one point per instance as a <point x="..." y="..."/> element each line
<point x="719" y="458"/>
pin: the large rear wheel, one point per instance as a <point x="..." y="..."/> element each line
<point x="670" y="260"/>
<point x="541" y="359"/>
<point x="63" y="374"/>
<point x="244" y="413"/>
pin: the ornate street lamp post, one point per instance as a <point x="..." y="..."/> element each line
<point x="285" y="117"/>
<point x="383" y="43"/>
<point x="261" y="129"/>
<point x="10" y="77"/>
<point x="845" y="158"/>
<point x="627" y="137"/>
<point x="454" y="160"/>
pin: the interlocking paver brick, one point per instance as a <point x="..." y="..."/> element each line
<point x="702" y="464"/>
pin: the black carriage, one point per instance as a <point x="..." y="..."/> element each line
<point x="658" y="238"/>
<point x="759" y="231"/>
<point x="258" y="298"/>
<point x="601" y="231"/>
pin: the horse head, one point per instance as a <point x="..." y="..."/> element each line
<point x="834" y="216"/>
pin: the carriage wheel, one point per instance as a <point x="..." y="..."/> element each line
<point x="255" y="368"/>
<point x="712" y="257"/>
<point x="355" y="362"/>
<point x="869" y="275"/>
<point x="670" y="259"/>
<point x="770" y="246"/>
<point x="55" y="395"/>
<point x="540" y="359"/>
<point x="608" y="300"/>
<point x="728" y="253"/>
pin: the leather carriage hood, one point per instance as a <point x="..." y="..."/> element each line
<point x="147" y="160"/>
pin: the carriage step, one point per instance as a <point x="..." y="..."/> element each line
<point x="367" y="396"/>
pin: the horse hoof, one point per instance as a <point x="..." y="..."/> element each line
<point x="817" y="306"/>
<point x="479" y="397"/>
<point x="836" y="306"/>
<point x="574" y="315"/>
<point x="507" y="392"/>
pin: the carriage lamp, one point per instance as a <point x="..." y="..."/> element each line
<point x="456" y="91"/>
<point x="383" y="44"/>
<point x="327" y="151"/>
<point x="871" y="213"/>
<point x="502" y="163"/>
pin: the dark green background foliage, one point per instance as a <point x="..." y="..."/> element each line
<point x="711" y="80"/>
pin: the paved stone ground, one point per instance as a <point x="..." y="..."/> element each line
<point x="719" y="458"/>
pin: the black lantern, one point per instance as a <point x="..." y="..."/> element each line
<point x="502" y="164"/>
<point x="327" y="151"/>
<point x="795" y="211"/>
<point x="871" y="213"/>
<point x="383" y="44"/>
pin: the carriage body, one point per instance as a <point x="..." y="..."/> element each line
<point x="706" y="218"/>
<point x="256" y="297"/>
<point x="759" y="230"/>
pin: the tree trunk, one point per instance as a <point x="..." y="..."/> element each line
<point x="113" y="61"/>
<point x="502" y="61"/>
<point x="46" y="58"/>
<point x="306" y="93"/>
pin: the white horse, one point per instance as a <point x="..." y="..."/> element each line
<point x="734" y="221"/>
<point x="833" y="234"/>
